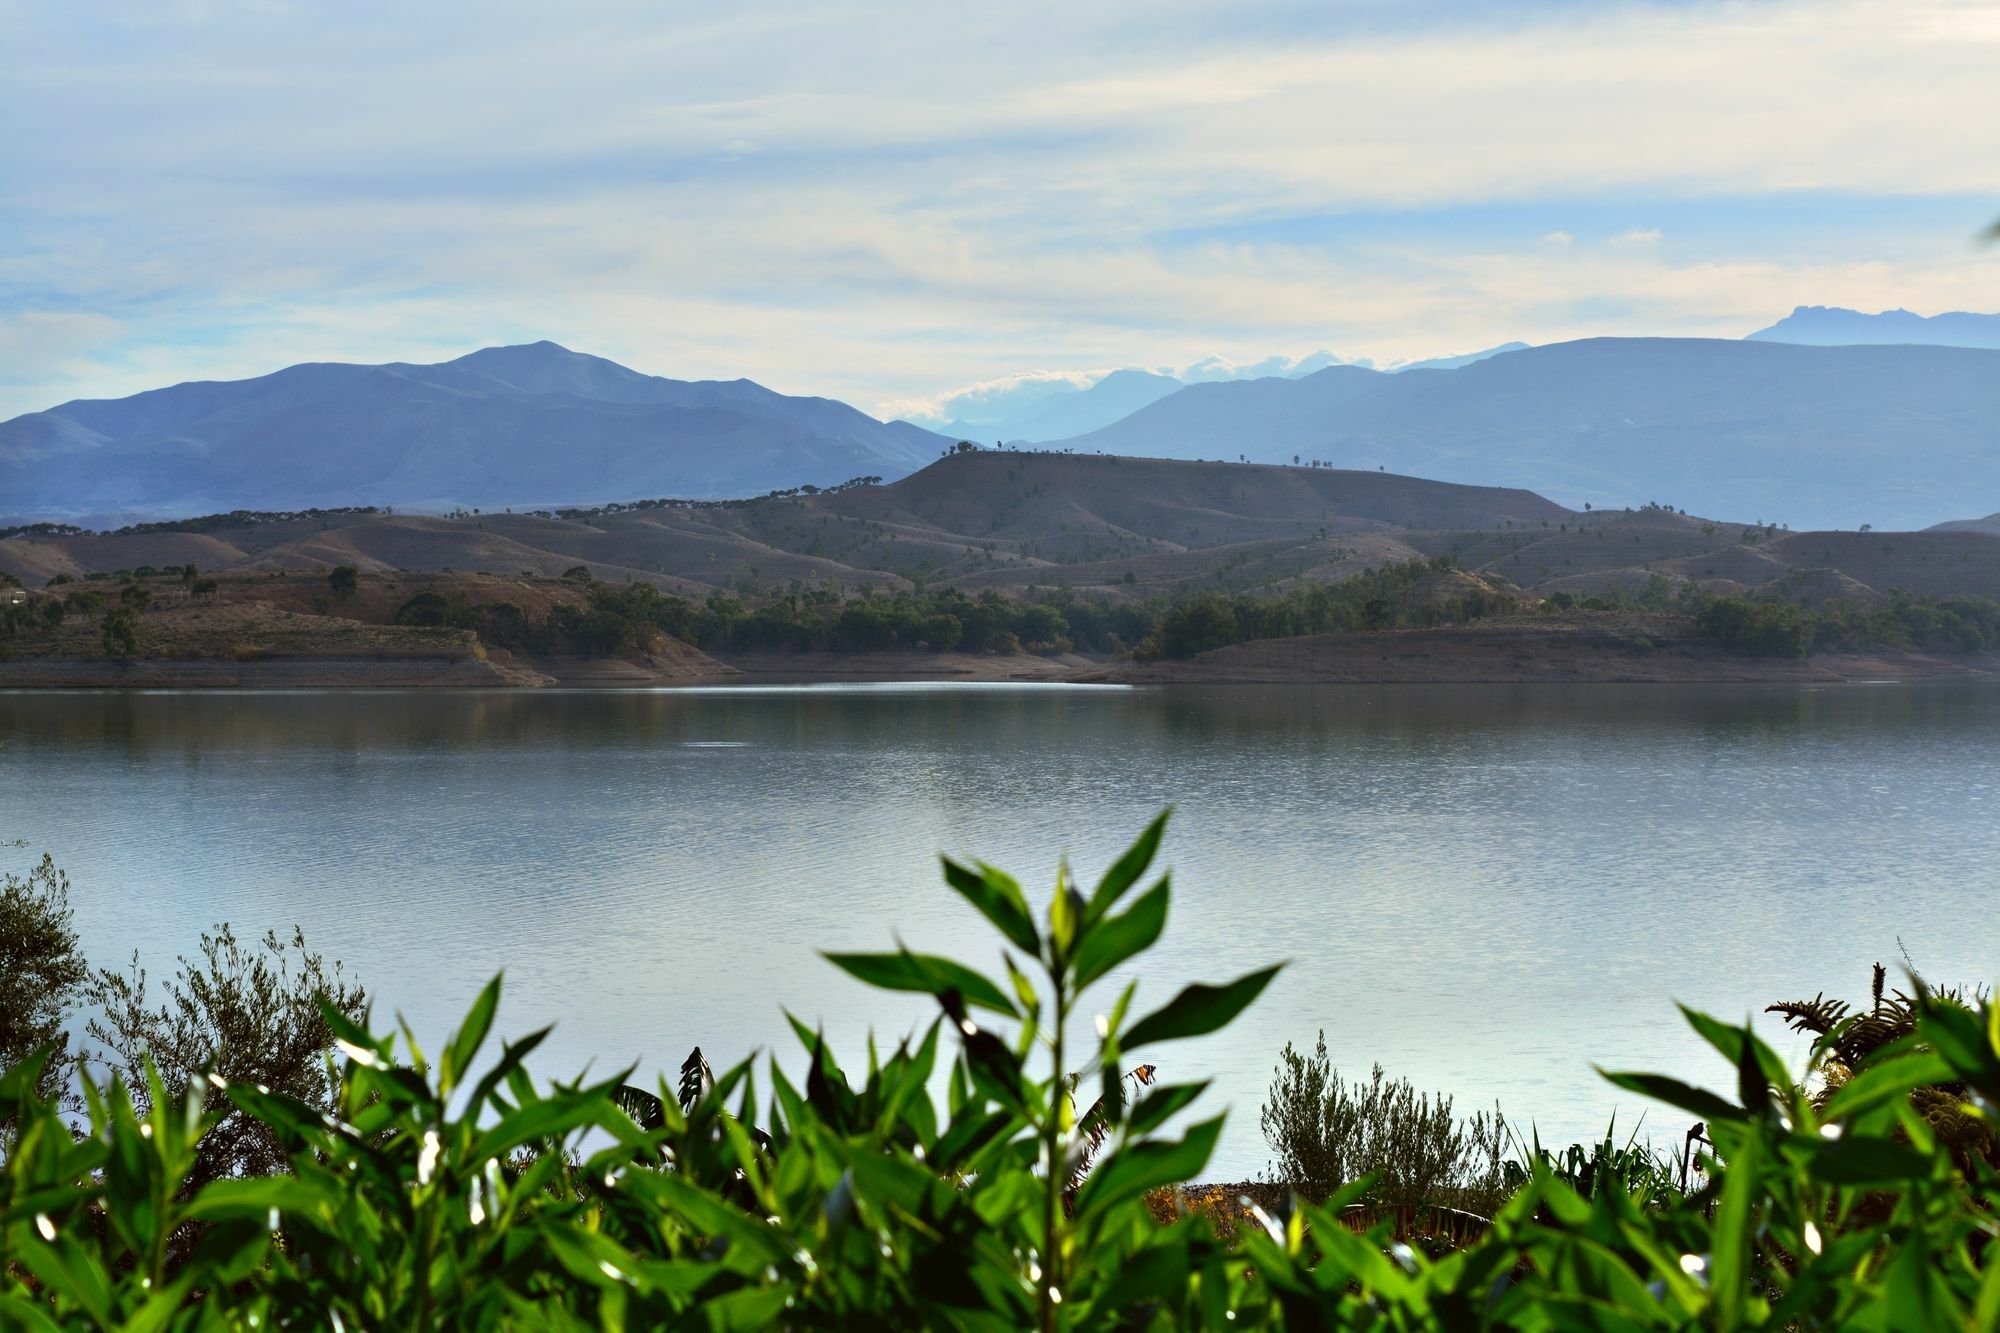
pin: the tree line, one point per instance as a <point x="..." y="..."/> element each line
<point x="614" y="618"/>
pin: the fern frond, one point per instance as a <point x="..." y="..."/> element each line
<point x="696" y="1079"/>
<point x="1818" y="1015"/>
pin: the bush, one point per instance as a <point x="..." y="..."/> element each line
<point x="118" y="634"/>
<point x="1757" y="629"/>
<point x="1328" y="1133"/>
<point x="344" y="580"/>
<point x="41" y="969"/>
<point x="257" y="1014"/>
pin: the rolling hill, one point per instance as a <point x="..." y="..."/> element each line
<point x="1126" y="527"/>
<point x="533" y="424"/>
<point x="1893" y="436"/>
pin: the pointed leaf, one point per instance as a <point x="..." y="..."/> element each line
<point x="1198" y="1010"/>
<point x="999" y="898"/>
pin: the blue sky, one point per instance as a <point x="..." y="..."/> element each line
<point x="887" y="203"/>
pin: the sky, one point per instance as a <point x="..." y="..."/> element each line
<point x="893" y="203"/>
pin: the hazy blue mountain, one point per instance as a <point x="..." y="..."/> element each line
<point x="1811" y="436"/>
<point x="524" y="426"/>
<point x="1113" y="398"/>
<point x="1832" y="326"/>
<point x="1991" y="523"/>
<point x="1454" y="362"/>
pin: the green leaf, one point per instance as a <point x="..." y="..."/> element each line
<point x="1128" y="868"/>
<point x="999" y="898"/>
<point x="1133" y="1170"/>
<point x="1154" y="1109"/>
<point x="1676" y="1093"/>
<point x="925" y="974"/>
<point x="1868" y="1161"/>
<point x="1198" y="1010"/>
<point x="471" y="1034"/>
<point x="1114" y="939"/>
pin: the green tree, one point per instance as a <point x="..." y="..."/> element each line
<point x="344" y="580"/>
<point x="42" y="971"/>
<point x="119" y="632"/>
<point x="242" y="1013"/>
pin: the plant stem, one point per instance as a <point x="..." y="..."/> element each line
<point x="1051" y="1155"/>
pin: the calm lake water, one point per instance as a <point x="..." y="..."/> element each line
<point x="1486" y="888"/>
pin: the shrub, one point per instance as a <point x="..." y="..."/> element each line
<point x="118" y="634"/>
<point x="41" y="969"/>
<point x="1328" y="1133"/>
<point x="262" y="1015"/>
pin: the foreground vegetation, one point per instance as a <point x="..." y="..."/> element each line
<point x="454" y="1190"/>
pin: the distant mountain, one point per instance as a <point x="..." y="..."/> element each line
<point x="1454" y="362"/>
<point x="1810" y="436"/>
<point x="1831" y="326"/>
<point x="524" y="426"/>
<point x="1989" y="524"/>
<point x="1113" y="398"/>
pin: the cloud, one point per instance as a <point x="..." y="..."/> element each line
<point x="875" y="203"/>
<point x="1559" y="238"/>
<point x="990" y="400"/>
<point x="1637" y="237"/>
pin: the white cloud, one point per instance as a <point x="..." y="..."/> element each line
<point x="874" y="203"/>
<point x="990" y="400"/>
<point x="1637" y="237"/>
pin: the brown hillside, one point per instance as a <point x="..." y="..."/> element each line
<point x="1127" y="527"/>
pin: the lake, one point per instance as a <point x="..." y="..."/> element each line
<point x="1485" y="888"/>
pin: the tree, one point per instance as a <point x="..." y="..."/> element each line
<point x="41" y="969"/>
<point x="344" y="580"/>
<point x="578" y="574"/>
<point x="120" y="632"/>
<point x="242" y="1014"/>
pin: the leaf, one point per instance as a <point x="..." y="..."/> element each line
<point x="1157" y="1106"/>
<point x="646" y="1110"/>
<point x="1198" y="1010"/>
<point x="925" y="974"/>
<point x="1139" y="1167"/>
<point x="1673" y="1092"/>
<point x="1125" y="872"/>
<point x="999" y="899"/>
<point x="471" y="1034"/>
<point x="1868" y="1161"/>
<point x="1114" y="939"/>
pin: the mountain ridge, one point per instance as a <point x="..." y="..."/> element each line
<point x="525" y="424"/>
<point x="1838" y="326"/>
<point x="1893" y="436"/>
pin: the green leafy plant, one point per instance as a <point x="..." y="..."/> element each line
<point x="457" y="1191"/>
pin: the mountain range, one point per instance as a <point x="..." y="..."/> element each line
<point x="1060" y="409"/>
<point x="525" y="425"/>
<point x="1897" y="436"/>
<point x="1832" y="326"/>
<point x="1893" y="436"/>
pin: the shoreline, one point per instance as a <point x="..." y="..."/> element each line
<point x="297" y="652"/>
